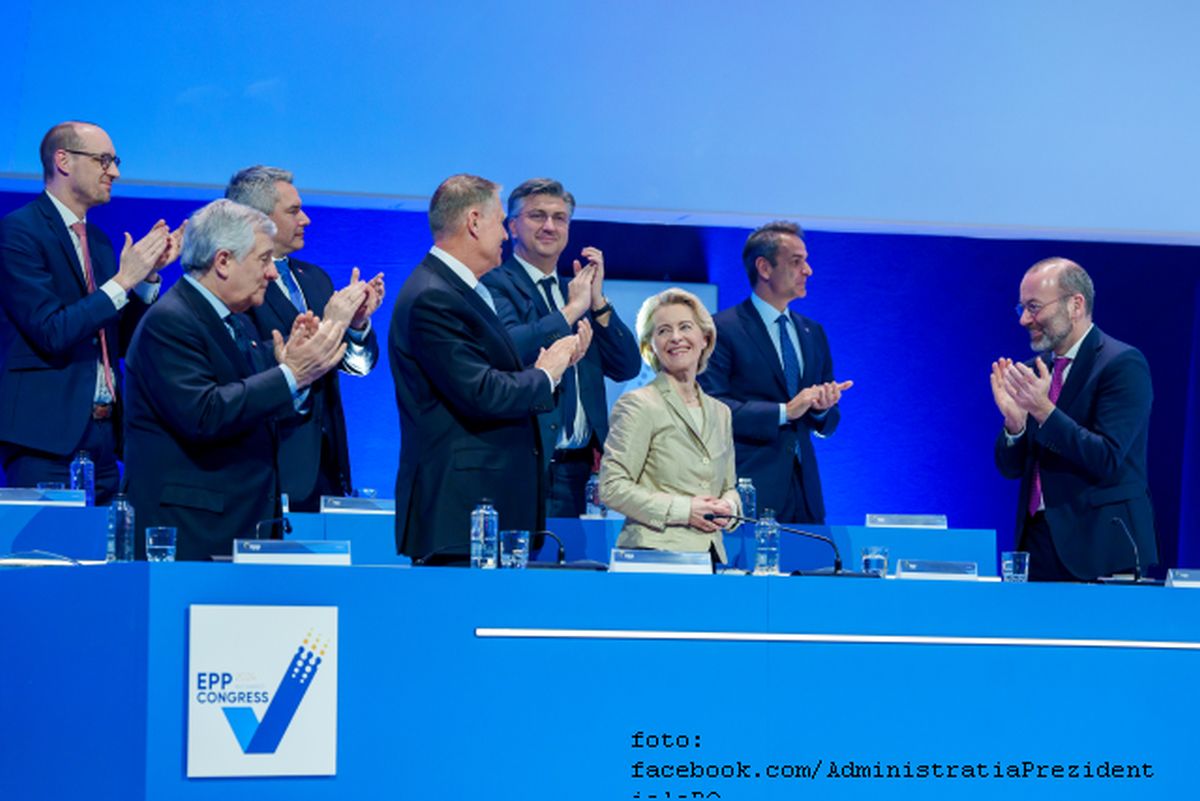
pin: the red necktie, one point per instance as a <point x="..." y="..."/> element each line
<point x="80" y="229"/>
<point x="1056" y="384"/>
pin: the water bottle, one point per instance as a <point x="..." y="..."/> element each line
<point x="485" y="527"/>
<point x="749" y="496"/>
<point x="766" y="542"/>
<point x="595" y="506"/>
<point x="121" y="530"/>
<point x="83" y="476"/>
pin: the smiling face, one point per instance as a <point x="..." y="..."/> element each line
<point x="677" y="340"/>
<point x="539" y="230"/>
<point x="87" y="183"/>
<point x="1051" y="318"/>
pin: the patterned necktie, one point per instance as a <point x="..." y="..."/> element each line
<point x="284" y="268"/>
<point x="80" y="229"/>
<point x="791" y="363"/>
<point x="1056" y="385"/>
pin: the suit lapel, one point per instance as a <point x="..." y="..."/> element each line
<point x="752" y="323"/>
<point x="680" y="409"/>
<point x="55" y="221"/>
<point x="808" y="375"/>
<point x="1081" y="369"/>
<point x="279" y="305"/>
<point x="475" y="302"/>
<point x="527" y="287"/>
<point x="216" y="326"/>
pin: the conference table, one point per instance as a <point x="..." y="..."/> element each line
<point x="564" y="684"/>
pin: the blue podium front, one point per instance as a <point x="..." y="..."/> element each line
<point x="463" y="684"/>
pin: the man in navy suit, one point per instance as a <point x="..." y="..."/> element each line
<point x="538" y="306"/>
<point x="314" y="452"/>
<point x="1076" y="423"/>
<point x="774" y="370"/>
<point x="468" y="403"/>
<point x="69" y="309"/>
<point x="204" y="394"/>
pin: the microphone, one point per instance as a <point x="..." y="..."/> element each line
<point x="454" y="548"/>
<point x="271" y="521"/>
<point x="1137" y="555"/>
<point x="837" y="555"/>
<point x="561" y="556"/>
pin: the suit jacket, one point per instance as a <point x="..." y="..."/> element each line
<point x="1092" y="456"/>
<point x="656" y="460"/>
<point x="300" y="436"/>
<point x="200" y="441"/>
<point x="532" y="325"/>
<point x="745" y="373"/>
<point x="467" y="415"/>
<point x="49" y="331"/>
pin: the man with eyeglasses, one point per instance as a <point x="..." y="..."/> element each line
<point x="70" y="307"/>
<point x="1076" y="421"/>
<point x="314" y="453"/>
<point x="538" y="306"/>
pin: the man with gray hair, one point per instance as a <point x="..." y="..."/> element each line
<point x="314" y="451"/>
<point x="467" y="402"/>
<point x="203" y="394"/>
<point x="1076" y="423"/>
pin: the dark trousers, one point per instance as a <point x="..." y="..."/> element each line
<point x="566" y="481"/>
<point x="24" y="467"/>
<point x="795" y="506"/>
<point x="1044" y="564"/>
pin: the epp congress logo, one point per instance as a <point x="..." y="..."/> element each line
<point x="243" y="721"/>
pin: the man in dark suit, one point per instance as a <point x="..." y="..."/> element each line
<point x="538" y="306"/>
<point x="203" y="394"/>
<point x="774" y="370"/>
<point x="314" y="454"/>
<point x="69" y="310"/>
<point x="1076" y="422"/>
<point x="467" y="402"/>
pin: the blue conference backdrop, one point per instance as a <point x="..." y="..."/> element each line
<point x="914" y="320"/>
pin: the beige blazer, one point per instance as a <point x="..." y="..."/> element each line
<point x="656" y="461"/>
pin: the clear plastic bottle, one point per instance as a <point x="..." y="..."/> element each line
<point x="766" y="544"/>
<point x="595" y="506"/>
<point x="749" y="496"/>
<point x="83" y="476"/>
<point x="485" y="528"/>
<point x="121" y="530"/>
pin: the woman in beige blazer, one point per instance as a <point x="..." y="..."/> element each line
<point x="669" y="459"/>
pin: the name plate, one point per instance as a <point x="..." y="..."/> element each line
<point x="291" y="552"/>
<point x="907" y="521"/>
<point x="360" y="506"/>
<point x="23" y="496"/>
<point x="633" y="561"/>
<point x="936" y="570"/>
<point x="1180" y="577"/>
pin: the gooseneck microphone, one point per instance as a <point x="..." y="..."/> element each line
<point x="283" y="521"/>
<point x="837" y="556"/>
<point x="561" y="556"/>
<point x="1137" y="555"/>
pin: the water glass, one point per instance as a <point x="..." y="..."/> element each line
<point x="160" y="543"/>
<point x="875" y="560"/>
<point x="1014" y="566"/>
<point x="514" y="549"/>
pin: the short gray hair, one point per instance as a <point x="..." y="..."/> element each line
<point x="221" y="225"/>
<point x="672" y="297"/>
<point x="456" y="195"/>
<point x="255" y="187"/>
<point x="1072" y="279"/>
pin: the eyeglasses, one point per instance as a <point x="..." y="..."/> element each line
<point x="540" y="217"/>
<point x="1034" y="308"/>
<point x="105" y="160"/>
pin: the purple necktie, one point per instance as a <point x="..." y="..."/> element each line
<point x="1056" y="382"/>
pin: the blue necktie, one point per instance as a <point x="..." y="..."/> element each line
<point x="791" y="363"/>
<point x="289" y="280"/>
<point x="482" y="292"/>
